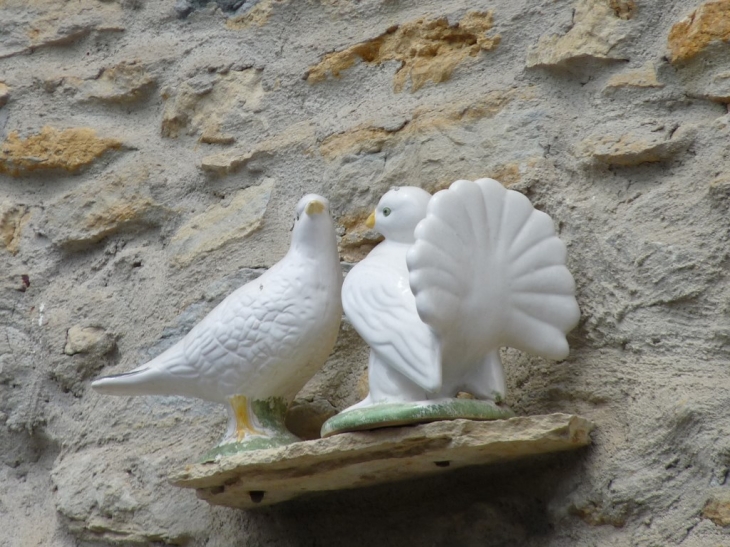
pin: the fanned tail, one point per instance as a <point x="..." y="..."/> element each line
<point x="488" y="270"/>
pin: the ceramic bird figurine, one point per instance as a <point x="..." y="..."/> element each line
<point x="256" y="349"/>
<point x="459" y="275"/>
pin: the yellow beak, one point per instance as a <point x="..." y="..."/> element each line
<point x="370" y="222"/>
<point x="314" y="207"/>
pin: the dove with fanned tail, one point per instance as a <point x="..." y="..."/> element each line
<point x="460" y="275"/>
<point x="257" y="348"/>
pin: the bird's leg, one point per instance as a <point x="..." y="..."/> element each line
<point x="486" y="379"/>
<point x="243" y="415"/>
<point x="387" y="385"/>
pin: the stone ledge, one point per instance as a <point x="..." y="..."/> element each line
<point x="354" y="460"/>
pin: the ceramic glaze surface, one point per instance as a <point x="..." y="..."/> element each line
<point x="460" y="275"/>
<point x="265" y="340"/>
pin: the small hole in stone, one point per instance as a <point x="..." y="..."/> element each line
<point x="257" y="496"/>
<point x="137" y="264"/>
<point x="443" y="464"/>
<point x="217" y="489"/>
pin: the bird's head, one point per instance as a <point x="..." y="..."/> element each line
<point x="398" y="212"/>
<point x="310" y="206"/>
<point x="312" y="222"/>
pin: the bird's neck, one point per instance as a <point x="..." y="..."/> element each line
<point x="319" y="244"/>
<point x="404" y="236"/>
<point x="392" y="252"/>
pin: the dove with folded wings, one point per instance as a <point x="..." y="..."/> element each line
<point x="460" y="275"/>
<point x="256" y="349"/>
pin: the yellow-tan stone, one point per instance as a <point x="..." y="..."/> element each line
<point x="370" y="139"/>
<point x="224" y="163"/>
<point x="124" y="82"/>
<point x="12" y="219"/>
<point x="623" y="9"/>
<point x="642" y="77"/>
<point x="707" y="24"/>
<point x="83" y="339"/>
<point x="429" y="50"/>
<point x="717" y="509"/>
<point x="221" y="224"/>
<point x="636" y="147"/>
<point x="258" y="15"/>
<point x="117" y="201"/>
<point x="53" y="149"/>
<point x="358" y="240"/>
<point x="598" y="27"/>
<point x="204" y="109"/>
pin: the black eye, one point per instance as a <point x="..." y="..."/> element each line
<point x="386" y="211"/>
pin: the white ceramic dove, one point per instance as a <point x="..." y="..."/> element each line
<point x="460" y="275"/>
<point x="257" y="348"/>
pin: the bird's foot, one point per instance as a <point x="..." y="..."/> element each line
<point x="245" y="418"/>
<point x="253" y="424"/>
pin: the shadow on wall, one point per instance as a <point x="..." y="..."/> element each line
<point x="507" y="504"/>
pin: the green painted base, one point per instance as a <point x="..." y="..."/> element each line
<point x="396" y="414"/>
<point x="252" y="442"/>
<point x="263" y="427"/>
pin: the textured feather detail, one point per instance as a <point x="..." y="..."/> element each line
<point x="385" y="316"/>
<point x="265" y="339"/>
<point x="487" y="270"/>
<point x="168" y="373"/>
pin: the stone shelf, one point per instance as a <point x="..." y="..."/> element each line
<point x="354" y="460"/>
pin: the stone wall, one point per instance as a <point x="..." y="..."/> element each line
<point x="151" y="154"/>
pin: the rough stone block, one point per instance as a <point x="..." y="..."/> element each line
<point x="124" y="83"/>
<point x="644" y="77"/>
<point x="220" y="224"/>
<point x="209" y="104"/>
<point x="89" y="340"/>
<point x="692" y="35"/>
<point x="353" y="460"/>
<point x="717" y="509"/>
<point x="26" y="26"/>
<point x="598" y="28"/>
<point x="12" y="219"/>
<point x="635" y="148"/>
<point x="300" y="135"/>
<point x="53" y="149"/>
<point x="429" y="50"/>
<point x="119" y="201"/>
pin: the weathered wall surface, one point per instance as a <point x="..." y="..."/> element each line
<point x="151" y="154"/>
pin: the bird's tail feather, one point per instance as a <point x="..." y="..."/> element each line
<point x="141" y="381"/>
<point x="489" y="268"/>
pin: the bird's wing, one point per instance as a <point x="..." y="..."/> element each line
<point x="488" y="268"/>
<point x="385" y="315"/>
<point x="237" y="333"/>
<point x="233" y="336"/>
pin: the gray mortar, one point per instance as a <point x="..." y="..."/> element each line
<point x="648" y="246"/>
